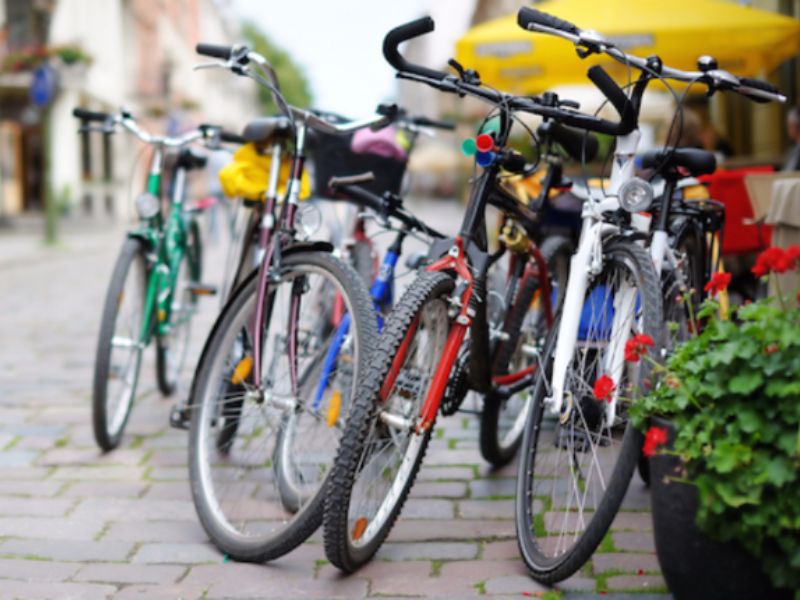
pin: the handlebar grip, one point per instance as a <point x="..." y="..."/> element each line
<point x="403" y="33"/>
<point x="90" y="115"/>
<point x="231" y="138"/>
<point x="578" y="144"/>
<point x="214" y="50"/>
<point x="616" y="96"/>
<point x="758" y="85"/>
<point x="530" y="16"/>
<point x="433" y="123"/>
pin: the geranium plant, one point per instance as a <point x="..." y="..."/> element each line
<point x="732" y="393"/>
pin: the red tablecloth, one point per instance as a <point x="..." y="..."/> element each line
<point x="728" y="187"/>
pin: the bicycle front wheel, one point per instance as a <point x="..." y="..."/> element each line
<point x="575" y="468"/>
<point x="119" y="346"/>
<point x="382" y="448"/>
<point x="260" y="457"/>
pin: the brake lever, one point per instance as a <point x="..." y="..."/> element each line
<point x="209" y="65"/>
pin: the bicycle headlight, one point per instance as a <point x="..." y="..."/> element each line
<point x="147" y="205"/>
<point x="635" y="195"/>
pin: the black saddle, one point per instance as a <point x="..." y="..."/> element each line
<point x="695" y="161"/>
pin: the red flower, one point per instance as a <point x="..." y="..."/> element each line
<point x="653" y="439"/>
<point x="771" y="348"/>
<point x="637" y="346"/>
<point x="772" y="260"/>
<point x="603" y="388"/>
<point x="718" y="283"/>
<point x="793" y="253"/>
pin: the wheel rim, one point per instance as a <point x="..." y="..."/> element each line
<point x="572" y="462"/>
<point x="389" y="454"/>
<point x="175" y="344"/>
<point x="125" y="353"/>
<point x="240" y="486"/>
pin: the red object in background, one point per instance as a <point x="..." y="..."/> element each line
<point x="728" y="187"/>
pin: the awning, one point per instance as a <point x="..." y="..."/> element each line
<point x="746" y="41"/>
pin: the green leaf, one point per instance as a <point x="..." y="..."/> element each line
<point x="780" y="470"/>
<point x="745" y="382"/>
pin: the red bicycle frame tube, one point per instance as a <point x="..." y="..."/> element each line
<point x="458" y="330"/>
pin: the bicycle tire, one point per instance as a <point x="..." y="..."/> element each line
<point x="363" y="426"/>
<point x="167" y="372"/>
<point x="108" y="435"/>
<point x="498" y="447"/>
<point x="531" y="509"/>
<point x="235" y="541"/>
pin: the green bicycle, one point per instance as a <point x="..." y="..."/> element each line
<point x="155" y="283"/>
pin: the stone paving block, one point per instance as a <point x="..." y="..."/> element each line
<point x="387" y="579"/>
<point x="127" y="573"/>
<point x="444" y="457"/>
<point x="156" y="531"/>
<point x="101" y="551"/>
<point x="240" y="580"/>
<point x="428" y="551"/>
<point x="171" y="439"/>
<point x="50" y="528"/>
<point x="514" y="584"/>
<point x="169" y="458"/>
<point x="500" y="550"/>
<point x="36" y="570"/>
<point x="632" y="521"/>
<point x="430" y="473"/>
<point x="624" y="562"/>
<point x="635" y="582"/>
<point x="32" y="430"/>
<point x="169" y="490"/>
<point x="42" y="507"/>
<point x="486" y="470"/>
<point x="485" y="488"/>
<point x="161" y="592"/>
<point x="424" y="508"/>
<point x="637" y="497"/>
<point x="577" y="582"/>
<point x="177" y="554"/>
<point x="100" y="473"/>
<point x="168" y="474"/>
<point x="105" y="489"/>
<point x="25" y="488"/>
<point x="57" y="591"/>
<point x="90" y="456"/>
<point x="466" y="575"/>
<point x="12" y="473"/>
<point x="635" y="541"/>
<point x="146" y="509"/>
<point x="439" y="489"/>
<point x="486" y="509"/>
<point x="418" y="531"/>
<point x="18" y="458"/>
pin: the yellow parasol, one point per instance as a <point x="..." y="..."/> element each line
<point x="744" y="40"/>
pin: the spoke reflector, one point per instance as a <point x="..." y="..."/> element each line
<point x="242" y="370"/>
<point x="334" y="407"/>
<point x="359" y="528"/>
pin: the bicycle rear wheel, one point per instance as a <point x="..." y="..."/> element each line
<point x="575" y="470"/>
<point x="119" y="346"/>
<point x="381" y="448"/>
<point x="172" y="349"/>
<point x="245" y="445"/>
<point x="503" y="420"/>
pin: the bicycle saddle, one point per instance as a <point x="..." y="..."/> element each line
<point x="188" y="159"/>
<point x="695" y="161"/>
<point x="261" y="130"/>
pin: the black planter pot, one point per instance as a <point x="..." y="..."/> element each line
<point x="694" y="566"/>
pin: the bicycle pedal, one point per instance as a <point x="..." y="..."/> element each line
<point x="199" y="289"/>
<point x="179" y="417"/>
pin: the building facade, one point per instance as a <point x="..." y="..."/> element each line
<point x="136" y="54"/>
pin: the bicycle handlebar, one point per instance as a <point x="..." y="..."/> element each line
<point x="90" y="115"/>
<point x="127" y="121"/>
<point x="472" y="86"/>
<point x="214" y="50"/>
<point x="714" y="78"/>
<point x="432" y="123"/>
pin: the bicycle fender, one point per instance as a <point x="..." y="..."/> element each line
<point x="318" y="246"/>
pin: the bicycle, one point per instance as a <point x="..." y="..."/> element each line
<point x="260" y="445"/>
<point x="424" y="359"/>
<point x="154" y="285"/>
<point x="565" y="506"/>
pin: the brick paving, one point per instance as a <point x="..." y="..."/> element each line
<point x="77" y="524"/>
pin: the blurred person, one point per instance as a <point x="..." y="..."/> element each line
<point x="793" y="129"/>
<point x="714" y="142"/>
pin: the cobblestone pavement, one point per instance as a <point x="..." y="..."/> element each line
<point x="78" y="524"/>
